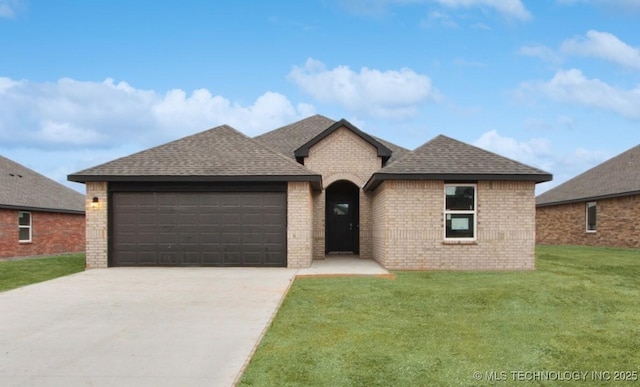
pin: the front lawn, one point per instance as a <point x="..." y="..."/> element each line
<point x="576" y="318"/>
<point x="14" y="274"/>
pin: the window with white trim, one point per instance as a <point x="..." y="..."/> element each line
<point x="591" y="216"/>
<point x="460" y="211"/>
<point x="24" y="226"/>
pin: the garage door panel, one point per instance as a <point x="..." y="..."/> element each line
<point x="198" y="229"/>
<point x="211" y="258"/>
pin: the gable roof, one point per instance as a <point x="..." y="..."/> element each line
<point x="24" y="189"/>
<point x="444" y="158"/>
<point x="218" y="154"/>
<point x="290" y="138"/>
<point x="383" y="151"/>
<point x="618" y="176"/>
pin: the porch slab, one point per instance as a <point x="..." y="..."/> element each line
<point x="344" y="265"/>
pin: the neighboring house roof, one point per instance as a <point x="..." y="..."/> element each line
<point x="24" y="189"/>
<point x="218" y="154"/>
<point x="444" y="158"/>
<point x="619" y="176"/>
<point x="307" y="132"/>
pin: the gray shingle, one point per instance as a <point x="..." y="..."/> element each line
<point x="23" y="188"/>
<point x="618" y="176"/>
<point x="221" y="151"/>
<point x="448" y="159"/>
<point x="291" y="137"/>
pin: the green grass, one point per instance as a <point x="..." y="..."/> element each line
<point x="579" y="311"/>
<point x="14" y="274"/>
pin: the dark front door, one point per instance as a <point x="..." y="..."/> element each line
<point x="342" y="217"/>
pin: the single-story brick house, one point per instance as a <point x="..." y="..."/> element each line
<point x="306" y="191"/>
<point x="38" y="216"/>
<point x="600" y="207"/>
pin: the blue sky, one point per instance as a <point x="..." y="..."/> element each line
<point x="552" y="83"/>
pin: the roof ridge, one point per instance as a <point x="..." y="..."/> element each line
<point x="277" y="153"/>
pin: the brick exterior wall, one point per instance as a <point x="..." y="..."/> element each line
<point x="343" y="155"/>
<point x="96" y="226"/>
<point x="618" y="223"/>
<point x="409" y="227"/>
<point x="299" y="224"/>
<point x="51" y="233"/>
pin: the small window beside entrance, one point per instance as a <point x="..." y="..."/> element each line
<point x="591" y="217"/>
<point x="460" y="212"/>
<point x="24" y="227"/>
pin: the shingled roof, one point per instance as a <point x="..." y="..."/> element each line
<point x="619" y="176"/>
<point x="290" y="138"/>
<point x="444" y="158"/>
<point x="24" y="189"/>
<point x="218" y="154"/>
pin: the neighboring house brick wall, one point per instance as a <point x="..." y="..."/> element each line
<point x="96" y="228"/>
<point x="409" y="234"/>
<point x="343" y="155"/>
<point x="51" y="233"/>
<point x="618" y="223"/>
<point x="299" y="224"/>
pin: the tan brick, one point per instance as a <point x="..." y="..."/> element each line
<point x="97" y="230"/>
<point x="408" y="218"/>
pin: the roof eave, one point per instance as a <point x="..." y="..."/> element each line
<point x="377" y="178"/>
<point x="41" y="209"/>
<point x="315" y="180"/>
<point x="588" y="199"/>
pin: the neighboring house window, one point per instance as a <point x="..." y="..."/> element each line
<point x="591" y="217"/>
<point x="460" y="211"/>
<point x="24" y="226"/>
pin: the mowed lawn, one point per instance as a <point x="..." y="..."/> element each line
<point x="14" y="274"/>
<point x="579" y="311"/>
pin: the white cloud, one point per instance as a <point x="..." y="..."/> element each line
<point x="69" y="114"/>
<point x="541" y="51"/>
<point x="7" y="9"/>
<point x="510" y="8"/>
<point x="201" y="109"/>
<point x="438" y="18"/>
<point x="625" y="6"/>
<point x="571" y="86"/>
<point x="384" y="94"/>
<point x="538" y="153"/>
<point x="535" y="152"/>
<point x="514" y="9"/>
<point x="605" y="46"/>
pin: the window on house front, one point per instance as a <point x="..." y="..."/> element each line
<point x="591" y="217"/>
<point x="24" y="226"/>
<point x="460" y="211"/>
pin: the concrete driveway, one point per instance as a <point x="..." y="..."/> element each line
<point x="137" y="326"/>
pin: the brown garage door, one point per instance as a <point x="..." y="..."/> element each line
<point x="198" y="229"/>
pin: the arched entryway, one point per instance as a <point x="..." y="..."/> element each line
<point x="342" y="219"/>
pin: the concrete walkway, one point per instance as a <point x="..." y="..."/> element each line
<point x="344" y="265"/>
<point x="145" y="326"/>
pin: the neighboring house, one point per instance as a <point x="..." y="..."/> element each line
<point x="38" y="216"/>
<point x="306" y="191"/>
<point x="600" y="207"/>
